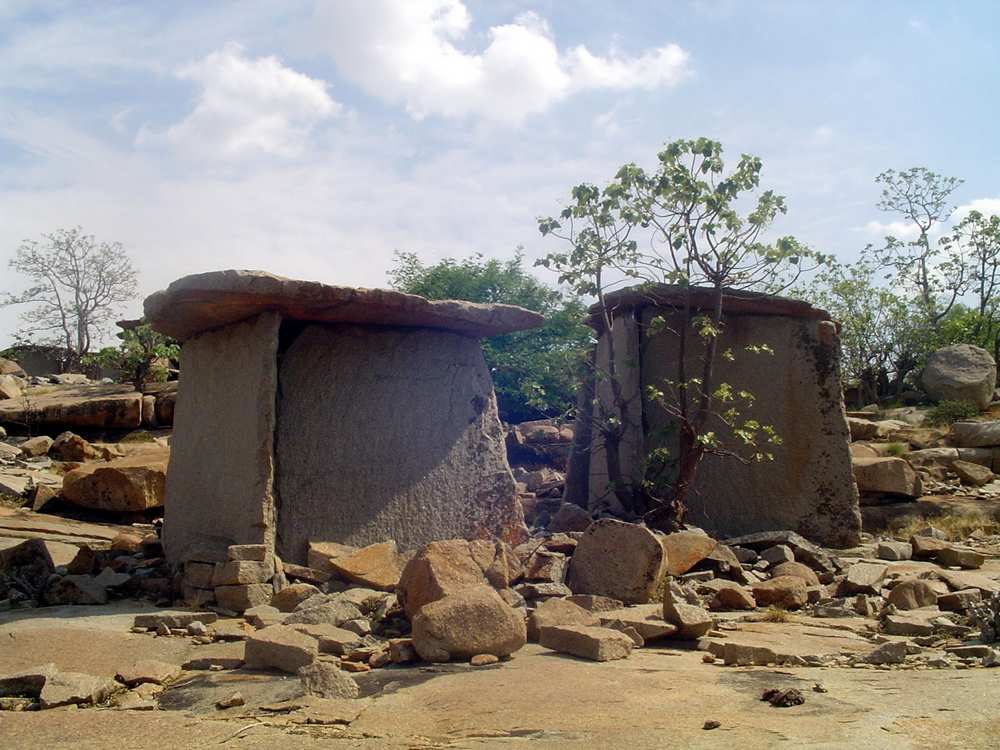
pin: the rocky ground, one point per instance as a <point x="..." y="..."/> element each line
<point x="594" y="632"/>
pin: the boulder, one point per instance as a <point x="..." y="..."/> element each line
<point x="594" y="643"/>
<point x="786" y="592"/>
<point x="558" y="612"/>
<point x="971" y="473"/>
<point x="328" y="681"/>
<point x="148" y="671"/>
<point x="975" y="434"/>
<point x="241" y="597"/>
<point x="570" y="517"/>
<point x="893" y="652"/>
<point x="894" y="551"/>
<point x="446" y="567"/>
<point x="734" y="596"/>
<point x="685" y="549"/>
<point x="620" y="560"/>
<point x="864" y="578"/>
<point x="473" y="621"/>
<point x="292" y="596"/>
<point x="692" y="622"/>
<point x="912" y="593"/>
<point x="280" y="647"/>
<point x="961" y="372"/>
<point x="892" y="476"/>
<point x="925" y="547"/>
<point x="69" y="446"/>
<point x="796" y="570"/>
<point x="378" y="566"/>
<point x="10" y="388"/>
<point x="645" y="620"/>
<point x="36" y="446"/>
<point x="326" y="609"/>
<point x="10" y="367"/>
<point x="319" y="554"/>
<point x="101" y="407"/>
<point x="132" y="484"/>
<point x="954" y="556"/>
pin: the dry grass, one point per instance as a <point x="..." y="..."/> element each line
<point x="956" y="526"/>
<point x="776" y="614"/>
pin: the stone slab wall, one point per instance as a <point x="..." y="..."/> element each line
<point x="809" y="486"/>
<point x="387" y="433"/>
<point x="220" y="483"/>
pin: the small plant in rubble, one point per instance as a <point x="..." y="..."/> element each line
<point x="680" y="225"/>
<point x="986" y="615"/>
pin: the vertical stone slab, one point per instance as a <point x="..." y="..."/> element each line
<point x="809" y="486"/>
<point x="388" y="433"/>
<point x="220" y="480"/>
<point x="625" y="335"/>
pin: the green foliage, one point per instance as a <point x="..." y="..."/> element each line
<point x="534" y="372"/>
<point x="140" y="355"/>
<point x="689" y="223"/>
<point x="896" y="449"/>
<point x="947" y="412"/>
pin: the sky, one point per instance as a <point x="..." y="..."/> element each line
<point x="315" y="138"/>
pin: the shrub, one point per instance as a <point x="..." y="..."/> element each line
<point x="896" y="449"/>
<point x="947" y="412"/>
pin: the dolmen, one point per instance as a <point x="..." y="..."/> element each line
<point x="787" y="354"/>
<point x="315" y="412"/>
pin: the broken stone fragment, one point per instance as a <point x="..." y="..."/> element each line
<point x="742" y="655"/>
<point x="558" y="612"/>
<point x="779" y="553"/>
<point x="132" y="484"/>
<point x="893" y="652"/>
<point x="692" y="622"/>
<point x="805" y="551"/>
<point x="280" y="647"/>
<point x="241" y="597"/>
<point x="328" y="681"/>
<point x="954" y="556"/>
<point x="377" y="566"/>
<point x="472" y="621"/>
<point x="731" y="596"/>
<point x="327" y="609"/>
<point x="926" y="546"/>
<point x="319" y="554"/>
<point x="264" y="615"/>
<point x="242" y="572"/>
<point x="685" y="549"/>
<point x="547" y="566"/>
<point x="199" y="574"/>
<point x="595" y="603"/>
<point x="594" y="643"/>
<point x="621" y="560"/>
<point x="645" y="619"/>
<point x="69" y="446"/>
<point x="887" y="475"/>
<point x="173" y="619"/>
<point x="959" y="601"/>
<point x="248" y="552"/>
<point x="291" y="596"/>
<point x="907" y="625"/>
<point x="893" y="551"/>
<point x="570" y="517"/>
<point x="971" y="473"/>
<point x="912" y="593"/>
<point x="36" y="446"/>
<point x="864" y="578"/>
<point x="148" y="670"/>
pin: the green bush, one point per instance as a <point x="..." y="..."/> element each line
<point x="947" y="412"/>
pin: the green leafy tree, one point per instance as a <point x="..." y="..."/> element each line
<point x="143" y="355"/>
<point x="681" y="225"/>
<point x="534" y="372"/>
<point x="77" y="286"/>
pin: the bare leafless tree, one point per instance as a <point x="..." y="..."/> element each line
<point x="77" y="285"/>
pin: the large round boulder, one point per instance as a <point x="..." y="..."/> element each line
<point x="472" y="621"/>
<point x="961" y="372"/>
<point x="622" y="560"/>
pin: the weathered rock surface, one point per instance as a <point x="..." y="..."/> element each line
<point x="10" y="387"/>
<point x="292" y="596"/>
<point x="961" y="372"/>
<point x="864" y="578"/>
<point x="796" y="570"/>
<point x="100" y="407"/>
<point x="473" y="621"/>
<point x="134" y="483"/>
<point x="685" y="549"/>
<point x="148" y="671"/>
<point x="620" y="560"/>
<point x="69" y="446"/>
<point x="975" y="434"/>
<point x="970" y="473"/>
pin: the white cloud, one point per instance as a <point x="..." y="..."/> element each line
<point x="901" y="230"/>
<point x="985" y="206"/>
<point x="248" y="106"/>
<point x="406" y="52"/>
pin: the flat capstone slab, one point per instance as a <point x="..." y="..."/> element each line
<point x="206" y="301"/>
